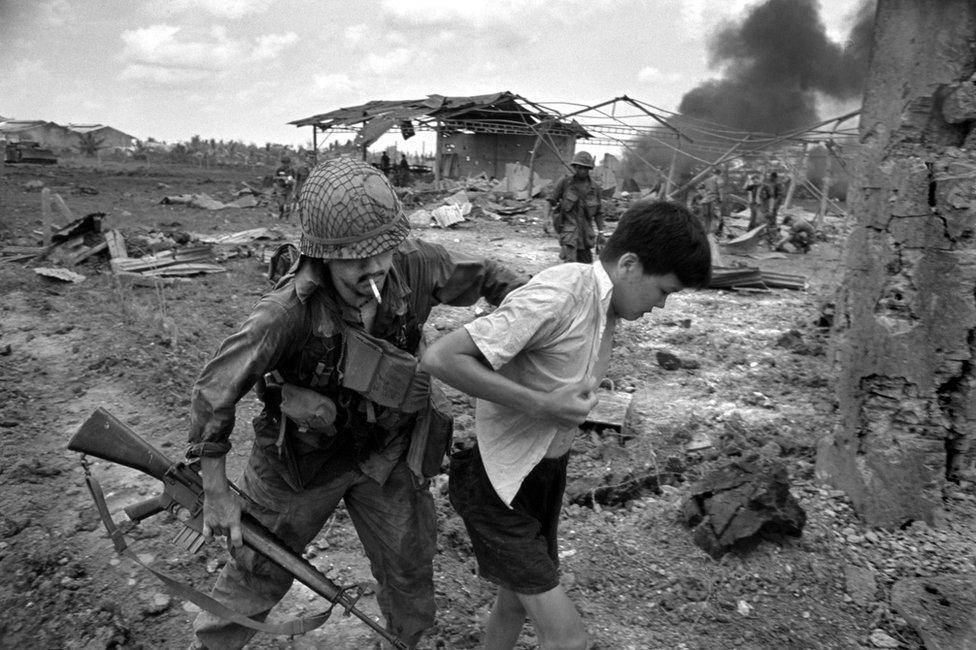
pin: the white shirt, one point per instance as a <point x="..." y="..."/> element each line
<point x="553" y="331"/>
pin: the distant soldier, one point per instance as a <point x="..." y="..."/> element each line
<point x="576" y="212"/>
<point x="283" y="184"/>
<point x="711" y="205"/>
<point x="751" y="187"/>
<point x="385" y="164"/>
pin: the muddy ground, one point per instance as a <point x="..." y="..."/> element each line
<point x="637" y="577"/>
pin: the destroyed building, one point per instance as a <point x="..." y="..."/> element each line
<point x="476" y="135"/>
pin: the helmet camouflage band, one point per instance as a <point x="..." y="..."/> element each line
<point x="348" y="210"/>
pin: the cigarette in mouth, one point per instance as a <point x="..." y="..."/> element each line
<point x="376" y="291"/>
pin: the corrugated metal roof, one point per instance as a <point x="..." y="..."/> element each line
<point x="495" y="112"/>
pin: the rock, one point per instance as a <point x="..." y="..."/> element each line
<point x="881" y="639"/>
<point x="791" y="340"/>
<point x="159" y="603"/>
<point x="667" y="360"/>
<point x="860" y="583"/>
<point x="942" y="609"/>
<point x="741" y="500"/>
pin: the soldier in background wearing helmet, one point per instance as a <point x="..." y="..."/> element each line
<point x="332" y="353"/>
<point x="576" y="214"/>
<point x="283" y="183"/>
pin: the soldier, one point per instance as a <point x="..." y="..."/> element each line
<point x="577" y="217"/>
<point x="712" y="199"/>
<point x="346" y="415"/>
<point x="283" y="183"/>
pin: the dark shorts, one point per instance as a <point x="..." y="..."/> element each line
<point x="516" y="547"/>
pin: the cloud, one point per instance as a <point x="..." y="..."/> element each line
<point x="336" y="81"/>
<point x="391" y="61"/>
<point x="473" y="12"/>
<point x="223" y="8"/>
<point x="160" y="46"/>
<point x="355" y="34"/>
<point x="56" y="12"/>
<point x="163" y="54"/>
<point x="651" y="74"/>
<point x="163" y="76"/>
<point x="269" y="45"/>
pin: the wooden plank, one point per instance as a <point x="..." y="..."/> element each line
<point x="88" y="252"/>
<point x="611" y="410"/>
<point x="63" y="208"/>
<point x="116" y="244"/>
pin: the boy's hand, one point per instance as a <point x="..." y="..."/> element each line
<point x="571" y="404"/>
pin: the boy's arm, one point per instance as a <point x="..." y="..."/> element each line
<point x="457" y="361"/>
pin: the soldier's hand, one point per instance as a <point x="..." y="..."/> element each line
<point x="222" y="516"/>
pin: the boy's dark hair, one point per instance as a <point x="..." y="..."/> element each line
<point x="667" y="238"/>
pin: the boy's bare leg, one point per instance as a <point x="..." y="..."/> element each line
<point x="505" y="621"/>
<point x="554" y="615"/>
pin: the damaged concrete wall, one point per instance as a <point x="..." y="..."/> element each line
<point x="905" y="332"/>
<point x="489" y="153"/>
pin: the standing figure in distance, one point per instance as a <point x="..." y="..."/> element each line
<point x="712" y="200"/>
<point x="577" y="217"/>
<point x="283" y="184"/>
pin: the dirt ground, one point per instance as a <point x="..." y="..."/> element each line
<point x="638" y="579"/>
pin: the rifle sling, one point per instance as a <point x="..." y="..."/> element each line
<point x="186" y="592"/>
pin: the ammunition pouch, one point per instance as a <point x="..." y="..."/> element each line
<point x="431" y="436"/>
<point x="390" y="377"/>
<point x="383" y="373"/>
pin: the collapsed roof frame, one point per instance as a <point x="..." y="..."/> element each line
<point x="511" y="114"/>
<point x="502" y="113"/>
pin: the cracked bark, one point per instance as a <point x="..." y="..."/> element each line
<point x="905" y="337"/>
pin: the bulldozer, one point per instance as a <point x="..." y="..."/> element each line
<point x="28" y="152"/>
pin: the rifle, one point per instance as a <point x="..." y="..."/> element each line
<point x="108" y="438"/>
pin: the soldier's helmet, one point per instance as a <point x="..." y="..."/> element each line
<point x="285" y="159"/>
<point x="582" y="159"/>
<point x="348" y="210"/>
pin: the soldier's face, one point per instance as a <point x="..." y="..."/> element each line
<point x="351" y="277"/>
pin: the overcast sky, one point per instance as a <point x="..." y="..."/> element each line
<point x="242" y="69"/>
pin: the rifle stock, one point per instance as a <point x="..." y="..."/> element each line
<point x="108" y="438"/>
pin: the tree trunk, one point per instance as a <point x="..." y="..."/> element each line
<point x="904" y="333"/>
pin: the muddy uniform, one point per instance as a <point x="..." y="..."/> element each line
<point x="576" y="217"/>
<point x="294" y="348"/>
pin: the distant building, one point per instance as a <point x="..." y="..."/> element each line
<point x="47" y="134"/>
<point x="111" y="139"/>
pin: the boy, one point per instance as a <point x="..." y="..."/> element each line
<point x="534" y="365"/>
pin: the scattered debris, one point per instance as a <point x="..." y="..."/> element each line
<point x="754" y="277"/>
<point x="611" y="410"/>
<point x="207" y="202"/>
<point x="942" y="609"/>
<point x="742" y="500"/>
<point x="59" y="274"/>
<point x="744" y="244"/>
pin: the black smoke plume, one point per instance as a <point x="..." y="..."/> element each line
<point x="774" y="63"/>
